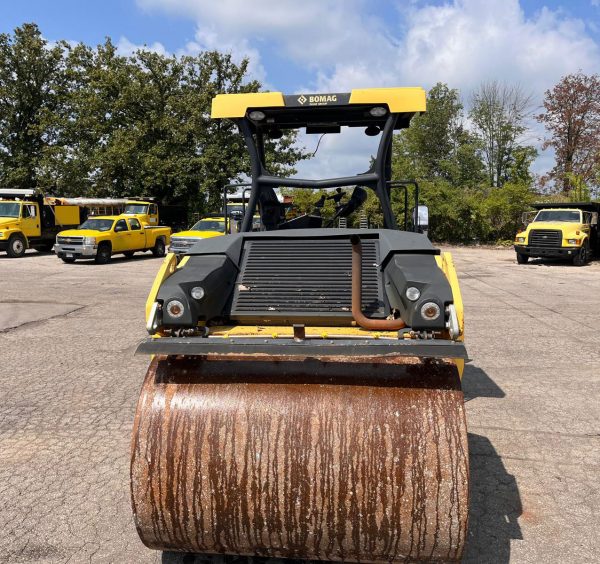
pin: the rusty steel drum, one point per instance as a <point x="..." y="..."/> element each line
<point x="319" y="460"/>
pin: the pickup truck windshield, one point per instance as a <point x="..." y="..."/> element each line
<point x="97" y="224"/>
<point x="209" y="225"/>
<point x="9" y="209"/>
<point x="558" y="215"/>
<point x="133" y="209"/>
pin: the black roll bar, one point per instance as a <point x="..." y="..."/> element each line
<point x="405" y="184"/>
<point x="375" y="178"/>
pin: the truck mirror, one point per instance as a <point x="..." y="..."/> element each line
<point x="594" y="220"/>
<point x="421" y="217"/>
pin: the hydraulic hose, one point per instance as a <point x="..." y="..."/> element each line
<point x="360" y="318"/>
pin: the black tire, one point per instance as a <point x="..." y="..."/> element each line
<point x="522" y="259"/>
<point x="583" y="256"/>
<point x="17" y="245"/>
<point x="104" y="254"/>
<point x="159" y="249"/>
<point x="68" y="260"/>
<point x="129" y="254"/>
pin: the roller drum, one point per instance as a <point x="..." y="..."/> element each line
<point x="361" y="462"/>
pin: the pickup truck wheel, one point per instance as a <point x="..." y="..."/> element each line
<point x="68" y="260"/>
<point x="129" y="254"/>
<point x="17" y="245"/>
<point x="159" y="248"/>
<point x="583" y="256"/>
<point x="104" y="253"/>
<point x="522" y="259"/>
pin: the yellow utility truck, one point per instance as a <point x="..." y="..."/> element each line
<point x="29" y="220"/>
<point x="561" y="230"/>
<point x="136" y="229"/>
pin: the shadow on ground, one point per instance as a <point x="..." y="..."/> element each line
<point x="495" y="505"/>
<point x="477" y="384"/>
<point x="495" y="502"/>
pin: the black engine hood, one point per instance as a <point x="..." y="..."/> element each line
<point x="390" y="241"/>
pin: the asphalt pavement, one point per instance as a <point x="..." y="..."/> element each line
<point x="69" y="384"/>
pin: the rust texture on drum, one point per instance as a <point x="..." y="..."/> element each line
<point x="361" y="463"/>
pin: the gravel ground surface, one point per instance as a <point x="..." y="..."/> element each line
<point x="70" y="383"/>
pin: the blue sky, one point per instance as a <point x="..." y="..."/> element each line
<point x="333" y="45"/>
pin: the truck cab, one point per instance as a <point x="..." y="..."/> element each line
<point x="28" y="220"/>
<point x="134" y="230"/>
<point x="147" y="212"/>
<point x="567" y="230"/>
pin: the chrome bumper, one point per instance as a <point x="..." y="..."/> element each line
<point x="76" y="250"/>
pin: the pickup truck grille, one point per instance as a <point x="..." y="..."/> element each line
<point x="298" y="278"/>
<point x="69" y="240"/>
<point x="180" y="243"/>
<point x="545" y="238"/>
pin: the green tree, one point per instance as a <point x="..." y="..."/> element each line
<point x="437" y="144"/>
<point x="31" y="72"/>
<point x="498" y="113"/>
<point x="503" y="208"/>
<point x="142" y="126"/>
<point x="572" y="117"/>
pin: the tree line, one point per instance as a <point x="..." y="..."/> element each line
<point x="475" y="166"/>
<point x="80" y="120"/>
<point x="77" y="120"/>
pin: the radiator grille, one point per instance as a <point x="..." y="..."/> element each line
<point x="545" y="238"/>
<point x="295" y="278"/>
<point x="69" y="240"/>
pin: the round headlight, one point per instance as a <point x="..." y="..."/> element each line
<point x="257" y="115"/>
<point x="175" y="308"/>
<point x="197" y="292"/>
<point x="430" y="311"/>
<point x="378" y="111"/>
<point x="413" y="293"/>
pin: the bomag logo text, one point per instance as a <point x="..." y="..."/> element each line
<point x="322" y="99"/>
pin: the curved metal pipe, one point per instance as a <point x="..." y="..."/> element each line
<point x="360" y="318"/>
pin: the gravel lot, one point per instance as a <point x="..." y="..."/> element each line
<point x="70" y="382"/>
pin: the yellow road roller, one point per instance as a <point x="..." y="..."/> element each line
<point x="303" y="398"/>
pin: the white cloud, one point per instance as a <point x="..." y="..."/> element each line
<point x="461" y="42"/>
<point x="469" y="41"/>
<point x="208" y="39"/>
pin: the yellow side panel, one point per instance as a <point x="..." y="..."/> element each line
<point x="166" y="269"/>
<point x="445" y="262"/>
<point x="399" y="100"/>
<point x="460" y="365"/>
<point x="235" y="105"/>
<point x="67" y="215"/>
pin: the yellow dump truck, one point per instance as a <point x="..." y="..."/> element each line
<point x="136" y="229"/>
<point x="561" y="230"/>
<point x="29" y="220"/>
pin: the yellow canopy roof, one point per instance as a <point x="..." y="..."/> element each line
<point x="398" y="100"/>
